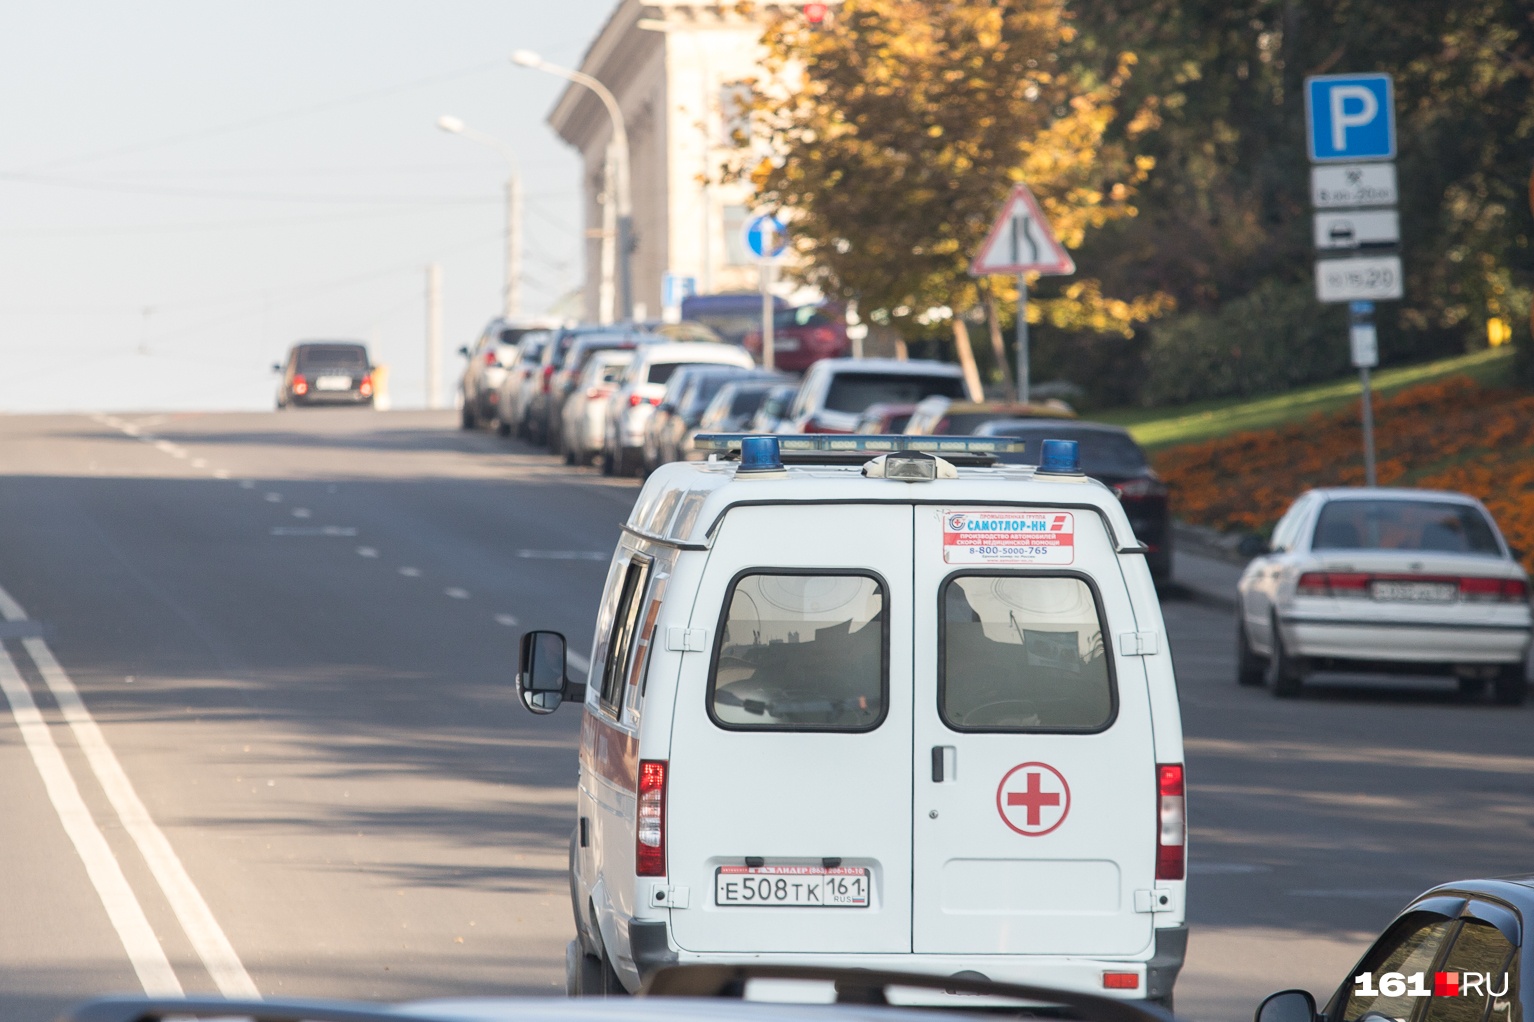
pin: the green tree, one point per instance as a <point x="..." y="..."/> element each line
<point x="908" y="123"/>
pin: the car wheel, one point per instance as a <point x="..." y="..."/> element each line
<point x="466" y="417"/>
<point x="589" y="976"/>
<point x="571" y="458"/>
<point x="502" y="427"/>
<point x="1511" y="687"/>
<point x="609" y="463"/>
<point x="1286" y="673"/>
<point x="1472" y="688"/>
<point x="1251" y="669"/>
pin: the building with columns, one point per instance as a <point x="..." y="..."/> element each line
<point x="679" y="71"/>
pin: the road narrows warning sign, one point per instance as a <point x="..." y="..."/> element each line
<point x="1021" y="241"/>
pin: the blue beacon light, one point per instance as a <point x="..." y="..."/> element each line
<point x="1060" y="457"/>
<point x="759" y="454"/>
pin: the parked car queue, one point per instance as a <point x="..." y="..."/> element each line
<point x="630" y="398"/>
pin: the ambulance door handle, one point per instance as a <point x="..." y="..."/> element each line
<point x="945" y="763"/>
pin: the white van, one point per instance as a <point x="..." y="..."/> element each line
<point x="876" y="709"/>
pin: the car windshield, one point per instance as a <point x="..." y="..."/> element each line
<point x="746" y="401"/>
<point x="1102" y="453"/>
<point x="702" y="392"/>
<point x="513" y="334"/>
<point x="333" y="356"/>
<point x="1437" y="526"/>
<point x="732" y="326"/>
<point x="853" y="392"/>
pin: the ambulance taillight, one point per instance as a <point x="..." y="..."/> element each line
<point x="1172" y="839"/>
<point x="650" y="832"/>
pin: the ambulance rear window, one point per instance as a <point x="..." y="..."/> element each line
<point x="1022" y="653"/>
<point x="801" y="652"/>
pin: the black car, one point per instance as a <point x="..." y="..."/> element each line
<point x="1109" y="455"/>
<point x="1455" y="954"/>
<point x="325" y="373"/>
<point x="690" y="993"/>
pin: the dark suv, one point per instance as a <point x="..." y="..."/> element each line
<point x="325" y="373"/>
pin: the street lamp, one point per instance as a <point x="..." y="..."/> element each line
<point x="620" y="154"/>
<point x="513" y="293"/>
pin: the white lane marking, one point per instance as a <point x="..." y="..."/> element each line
<point x="564" y="555"/>
<point x="506" y="619"/>
<point x="130" y="429"/>
<point x="123" y="909"/>
<point x="456" y="593"/>
<point x="273" y="498"/>
<point x="367" y="551"/>
<point x="199" y="463"/>
<point x="410" y="572"/>
<point x="313" y="530"/>
<point x="301" y="512"/>
<point x="220" y="473"/>
<point x="202" y="929"/>
<point x="247" y="484"/>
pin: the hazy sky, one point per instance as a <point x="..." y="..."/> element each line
<point x="188" y="187"/>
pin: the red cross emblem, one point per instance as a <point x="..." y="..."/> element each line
<point x="1033" y="799"/>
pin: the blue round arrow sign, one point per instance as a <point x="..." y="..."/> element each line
<point x="766" y="236"/>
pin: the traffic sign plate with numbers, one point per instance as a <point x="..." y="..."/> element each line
<point x="1366" y="278"/>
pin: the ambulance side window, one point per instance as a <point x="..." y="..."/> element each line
<point x="621" y="641"/>
<point x="1023" y="653"/>
<point x="801" y="652"/>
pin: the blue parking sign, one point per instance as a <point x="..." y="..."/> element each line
<point x="1350" y="117"/>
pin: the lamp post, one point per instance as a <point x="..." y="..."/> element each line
<point x="620" y="154"/>
<point x="513" y="293"/>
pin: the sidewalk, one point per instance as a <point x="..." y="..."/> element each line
<point x="1205" y="565"/>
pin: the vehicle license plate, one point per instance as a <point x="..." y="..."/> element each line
<point x="333" y="383"/>
<point x="792" y="886"/>
<point x="1414" y="592"/>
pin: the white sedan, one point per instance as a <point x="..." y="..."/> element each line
<point x="1393" y="581"/>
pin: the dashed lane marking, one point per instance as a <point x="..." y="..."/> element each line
<point x="506" y="619"/>
<point x="410" y="572"/>
<point x="457" y="594"/>
<point x="367" y="551"/>
<point x="564" y="555"/>
<point x="314" y="530"/>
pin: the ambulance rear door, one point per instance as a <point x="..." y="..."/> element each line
<point x="1035" y="810"/>
<point x="789" y="791"/>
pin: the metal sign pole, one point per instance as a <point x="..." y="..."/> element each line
<point x="1368" y="410"/>
<point x="1022" y="338"/>
<point x="1364" y="342"/>
<point x="767" y="267"/>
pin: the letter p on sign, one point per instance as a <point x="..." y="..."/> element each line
<point x="1350" y="117"/>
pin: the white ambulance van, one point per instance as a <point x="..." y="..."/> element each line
<point x="880" y="703"/>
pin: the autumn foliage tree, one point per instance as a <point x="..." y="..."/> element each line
<point x="900" y="126"/>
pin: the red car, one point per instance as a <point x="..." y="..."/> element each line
<point x="803" y="336"/>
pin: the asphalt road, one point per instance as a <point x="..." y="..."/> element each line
<point x="262" y="733"/>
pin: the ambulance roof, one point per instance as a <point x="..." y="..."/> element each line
<point x="682" y="502"/>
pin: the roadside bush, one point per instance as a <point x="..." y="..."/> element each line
<point x="1275" y="338"/>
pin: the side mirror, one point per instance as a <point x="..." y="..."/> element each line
<point x="541" y="681"/>
<point x="276" y="367"/>
<point x="1253" y="546"/>
<point x="464" y="351"/>
<point x="1287" y="1006"/>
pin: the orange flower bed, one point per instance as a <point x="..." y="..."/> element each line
<point x="1453" y="434"/>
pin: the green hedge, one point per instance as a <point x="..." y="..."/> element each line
<point x="1273" y="339"/>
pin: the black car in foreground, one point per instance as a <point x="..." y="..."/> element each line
<point x="325" y="373"/>
<point x="687" y="993"/>
<point x="1109" y="455"/>
<point x="1455" y="954"/>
